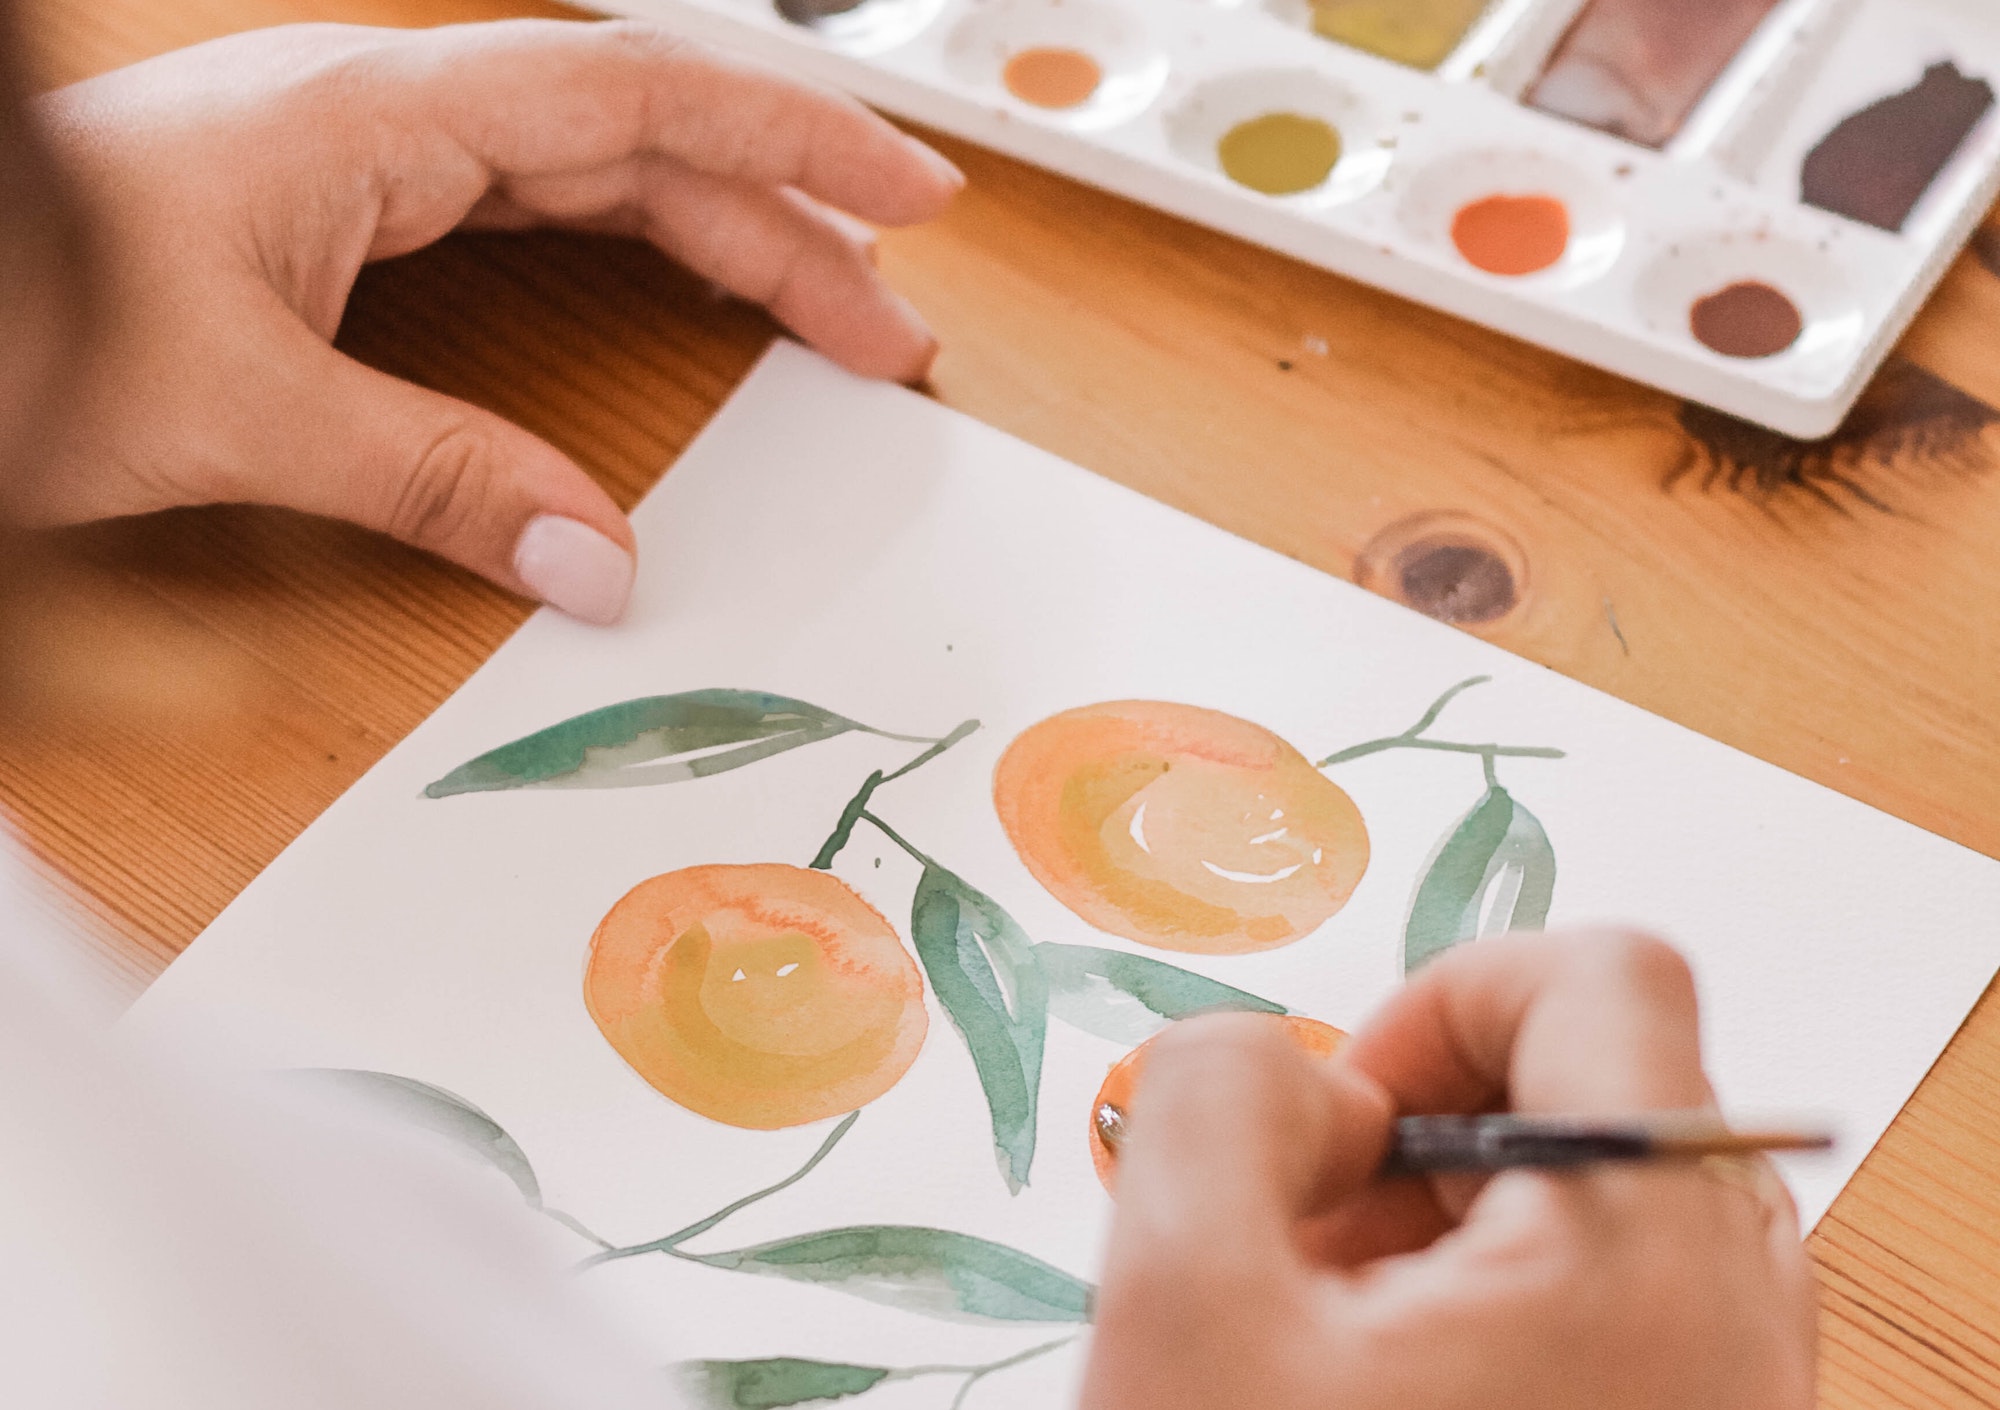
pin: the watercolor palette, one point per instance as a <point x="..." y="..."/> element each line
<point x="1743" y="202"/>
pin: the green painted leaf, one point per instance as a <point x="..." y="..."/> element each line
<point x="659" y="739"/>
<point x="1128" y="998"/>
<point x="1496" y="872"/>
<point x="937" y="1272"/>
<point x="436" y="1110"/>
<point x="984" y="971"/>
<point x="774" y="1382"/>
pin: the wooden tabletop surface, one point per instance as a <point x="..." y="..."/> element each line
<point x="1834" y="608"/>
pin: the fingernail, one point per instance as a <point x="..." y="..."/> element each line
<point x="859" y="232"/>
<point x="574" y="569"/>
<point x="920" y="335"/>
<point x="940" y="166"/>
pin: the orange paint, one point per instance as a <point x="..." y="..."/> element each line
<point x="1181" y="828"/>
<point x="758" y="996"/>
<point x="1121" y="1084"/>
<point x="1512" y="235"/>
<point x="1052" y="78"/>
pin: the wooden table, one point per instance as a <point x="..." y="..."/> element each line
<point x="1834" y="609"/>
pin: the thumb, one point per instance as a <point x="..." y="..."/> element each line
<point x="458" y="481"/>
<point x="1235" y="1138"/>
<point x="1235" y="1129"/>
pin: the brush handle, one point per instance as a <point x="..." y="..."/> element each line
<point x="1426" y="1145"/>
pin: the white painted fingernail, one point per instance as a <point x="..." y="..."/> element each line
<point x="940" y="166"/>
<point x="574" y="569"/>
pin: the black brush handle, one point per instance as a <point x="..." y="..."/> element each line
<point x="1427" y="1145"/>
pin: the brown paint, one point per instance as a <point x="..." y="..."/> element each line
<point x="1747" y="320"/>
<point x="1512" y="235"/>
<point x="1637" y="68"/>
<point x="1909" y="418"/>
<point x="1876" y="164"/>
<point x="1052" y="77"/>
<point x="1450" y="567"/>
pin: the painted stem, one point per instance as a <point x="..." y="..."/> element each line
<point x="1412" y="738"/>
<point x="575" y="1226"/>
<point x="672" y="1242"/>
<point x="851" y="814"/>
<point x="896" y="837"/>
<point x="975" y="1374"/>
<point x="1442" y="746"/>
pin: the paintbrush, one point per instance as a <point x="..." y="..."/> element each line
<point x="1427" y="1145"/>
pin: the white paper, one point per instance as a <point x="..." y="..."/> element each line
<point x="853" y="545"/>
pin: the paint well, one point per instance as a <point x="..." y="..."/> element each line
<point x="1512" y="235"/>
<point x="1637" y="68"/>
<point x="1420" y="33"/>
<point x="1747" y="320"/>
<point x="807" y="11"/>
<point x="1877" y="163"/>
<point x="1052" y="77"/>
<point x="1279" y="154"/>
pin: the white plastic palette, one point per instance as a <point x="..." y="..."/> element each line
<point x="1652" y="231"/>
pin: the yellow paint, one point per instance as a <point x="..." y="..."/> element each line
<point x="1181" y="828"/>
<point x="759" y="996"/>
<point x="1279" y="154"/>
<point x="1420" y="33"/>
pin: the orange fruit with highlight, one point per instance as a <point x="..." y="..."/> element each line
<point x="1121" y="1084"/>
<point x="1178" y="827"/>
<point x="758" y="996"/>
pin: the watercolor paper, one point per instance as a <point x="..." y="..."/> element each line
<point x="642" y="918"/>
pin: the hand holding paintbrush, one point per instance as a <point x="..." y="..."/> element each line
<point x="1259" y="1257"/>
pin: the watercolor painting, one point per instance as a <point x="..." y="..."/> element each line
<point x="772" y="995"/>
<point x="790" y="1015"/>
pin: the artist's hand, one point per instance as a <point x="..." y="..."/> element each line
<point x="242" y="184"/>
<point x="1253" y="1264"/>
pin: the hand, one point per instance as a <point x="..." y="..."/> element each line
<point x="242" y="184"/>
<point x="1253" y="1263"/>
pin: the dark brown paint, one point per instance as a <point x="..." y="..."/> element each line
<point x="1876" y="164"/>
<point x="1748" y="320"/>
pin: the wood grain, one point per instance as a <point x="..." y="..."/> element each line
<point x="1833" y="609"/>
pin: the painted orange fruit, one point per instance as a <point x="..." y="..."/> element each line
<point x="1121" y="1084"/>
<point x="758" y="996"/>
<point x="1178" y="827"/>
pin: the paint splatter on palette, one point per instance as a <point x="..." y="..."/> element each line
<point x="1743" y="202"/>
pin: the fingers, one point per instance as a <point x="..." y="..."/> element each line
<point x="1585" y="1024"/>
<point x="817" y="278"/>
<point x="1235" y="1129"/>
<point x="450" y="478"/>
<point x="1235" y="1136"/>
<point x="534" y="97"/>
<point x="810" y="264"/>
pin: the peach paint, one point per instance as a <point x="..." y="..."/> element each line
<point x="1512" y="235"/>
<point x="1052" y="78"/>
